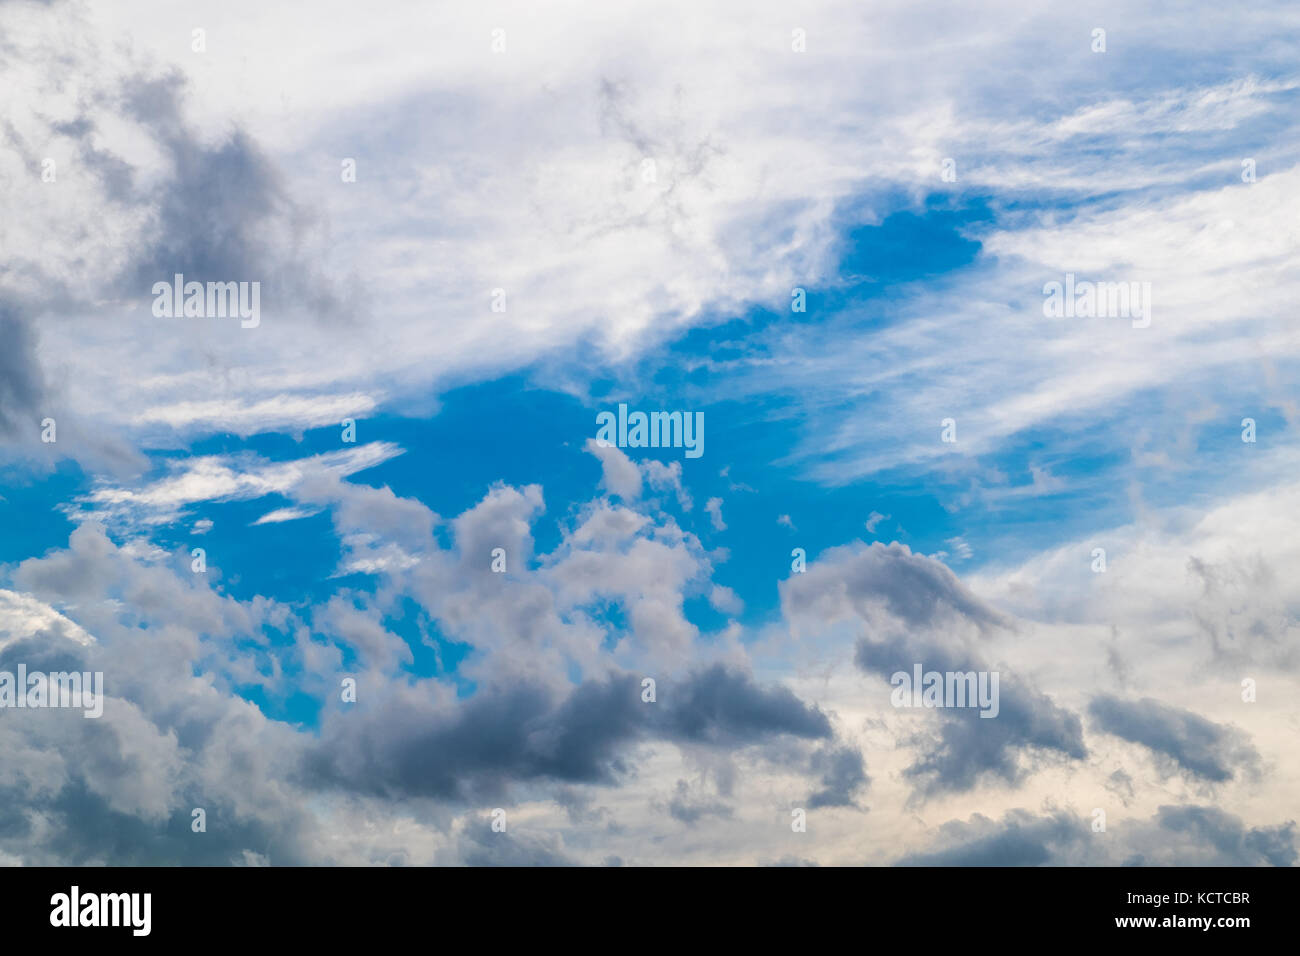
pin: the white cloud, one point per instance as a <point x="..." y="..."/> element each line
<point x="23" y="617"/>
<point x="620" y="475"/>
<point x="228" y="478"/>
<point x="757" y="151"/>
<point x="280" y="515"/>
<point x="714" y="507"/>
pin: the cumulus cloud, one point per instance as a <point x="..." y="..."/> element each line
<point x="967" y="747"/>
<point x="1198" y="747"/>
<point x="23" y="617"/>
<point x="878" y="584"/>
<point x="914" y="610"/>
<point x="619" y="475"/>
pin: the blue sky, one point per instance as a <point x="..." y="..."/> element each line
<point x="532" y="238"/>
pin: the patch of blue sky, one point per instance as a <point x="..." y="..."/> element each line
<point x="433" y="654"/>
<point x="30" y="524"/>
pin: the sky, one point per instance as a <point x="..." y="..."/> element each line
<point x="367" y="583"/>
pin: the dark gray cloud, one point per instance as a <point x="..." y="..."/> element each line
<point x="224" y="214"/>
<point x="480" y="845"/>
<point x="22" y="383"/>
<point x="578" y="806"/>
<point x="1233" y="843"/>
<point x="690" y="807"/>
<point x="843" y="774"/>
<point x="126" y="784"/>
<point x="911" y="609"/>
<point x="1199" y="747"/>
<point x="81" y="827"/>
<point x="1020" y="839"/>
<point x="917" y="591"/>
<point x="793" y="861"/>
<point x="1175" y="836"/>
<point x="1121" y="784"/>
<point x="967" y="747"/>
<point x="406" y="745"/>
<point x="724" y="706"/>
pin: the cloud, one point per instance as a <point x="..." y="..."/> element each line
<point x="617" y="214"/>
<point x="21" y="383"/>
<point x="1019" y="839"/>
<point x="914" y="610"/>
<point x="1175" y="836"/>
<point x="274" y="413"/>
<point x="1199" y="747"/>
<point x="22" y="617"/>
<point x="667" y="477"/>
<point x="960" y="547"/>
<point x="409" y="744"/>
<point x="188" y="171"/>
<point x="878" y="583"/>
<point x="619" y="475"/>
<point x="281" y="515"/>
<point x="843" y="774"/>
<point x="968" y="748"/>
<point x="481" y="846"/>
<point x="225" y="478"/>
<point x="1215" y="583"/>
<point x="720" y="705"/>
<point x="361" y="629"/>
<point x="1200" y="832"/>
<point x="690" y="808"/>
